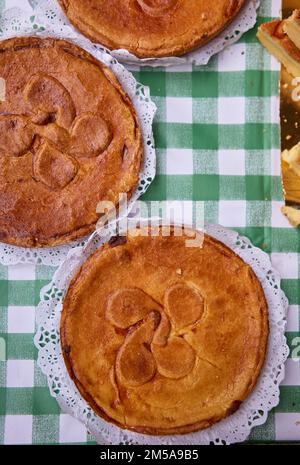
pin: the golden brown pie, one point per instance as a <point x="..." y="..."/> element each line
<point x="272" y="35"/>
<point x="162" y="338"/>
<point x="151" y="28"/>
<point x="292" y="158"/>
<point x="69" y="138"/>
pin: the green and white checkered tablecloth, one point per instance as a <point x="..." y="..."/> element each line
<point x="218" y="137"/>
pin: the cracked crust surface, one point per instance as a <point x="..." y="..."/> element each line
<point x="161" y="338"/>
<point x="152" y="28"/>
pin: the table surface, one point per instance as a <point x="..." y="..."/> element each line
<point x="218" y="137"/>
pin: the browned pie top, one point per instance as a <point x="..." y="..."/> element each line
<point x="69" y="137"/>
<point x="162" y="338"/>
<point x="151" y="28"/>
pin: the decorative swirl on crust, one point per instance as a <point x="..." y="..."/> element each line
<point x="48" y="96"/>
<point x="135" y="364"/>
<point x="193" y="301"/>
<point x="157" y="7"/>
<point x="155" y="339"/>
<point x="53" y="133"/>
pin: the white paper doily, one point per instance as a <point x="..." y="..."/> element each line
<point x="16" y="22"/>
<point x="244" y="21"/>
<point x="237" y="427"/>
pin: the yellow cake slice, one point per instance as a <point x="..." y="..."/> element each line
<point x="292" y="27"/>
<point x="292" y="214"/>
<point x="277" y="42"/>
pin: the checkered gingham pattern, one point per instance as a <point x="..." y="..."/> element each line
<point x="217" y="135"/>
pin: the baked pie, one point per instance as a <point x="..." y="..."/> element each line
<point x="161" y="338"/>
<point x="151" y="28"/>
<point x="292" y="158"/>
<point x="69" y="138"/>
<point x="273" y="36"/>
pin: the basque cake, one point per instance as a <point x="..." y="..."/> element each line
<point x="161" y="338"/>
<point x="69" y="138"/>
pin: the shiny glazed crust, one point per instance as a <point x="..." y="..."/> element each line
<point x="69" y="138"/>
<point x="152" y="28"/>
<point x="163" y="339"/>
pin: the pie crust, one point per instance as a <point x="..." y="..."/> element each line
<point x="161" y="338"/>
<point x="69" y="138"/>
<point x="292" y="27"/>
<point x="152" y="28"/>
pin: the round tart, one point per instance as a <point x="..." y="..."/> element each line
<point x="151" y="28"/>
<point x="69" y="138"/>
<point x="164" y="338"/>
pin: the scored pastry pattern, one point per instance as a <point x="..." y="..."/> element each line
<point x="158" y="7"/>
<point x="155" y="334"/>
<point x="52" y="132"/>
